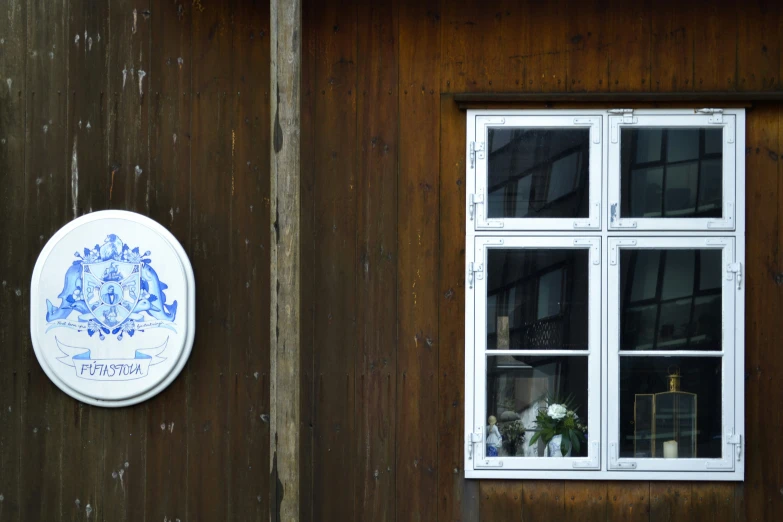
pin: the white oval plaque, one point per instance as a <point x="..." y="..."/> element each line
<point x="112" y="308"/>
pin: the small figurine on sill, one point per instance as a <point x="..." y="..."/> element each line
<point x="494" y="440"/>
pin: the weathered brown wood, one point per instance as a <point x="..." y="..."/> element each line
<point x="758" y="45"/>
<point x="335" y="269"/>
<point x="670" y="501"/>
<point x="83" y="426"/>
<point x="209" y="382"/>
<point x="170" y="130"/>
<point x="250" y="285"/>
<point x="715" y="47"/>
<point x="376" y="302"/>
<point x="45" y="210"/>
<point x="586" y="500"/>
<point x="628" y="501"/>
<point x="629" y="34"/>
<point x="13" y="312"/>
<point x="285" y="60"/>
<point x="500" y="500"/>
<point x="310" y="96"/>
<point x="417" y="266"/>
<point x="671" y="48"/>
<point x="547" y="65"/>
<point x="714" y="501"/>
<point x="588" y="43"/>
<point x="457" y="497"/>
<point x="543" y="500"/>
<point x="736" y="99"/>
<point x="762" y="297"/>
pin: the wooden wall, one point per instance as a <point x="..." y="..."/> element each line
<point x="383" y="240"/>
<point x="161" y="108"/>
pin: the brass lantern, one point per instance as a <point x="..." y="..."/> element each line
<point x="665" y="423"/>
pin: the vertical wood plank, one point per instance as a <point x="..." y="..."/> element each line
<point x="417" y="267"/>
<point x="713" y="501"/>
<point x="170" y="130"/>
<point x="671" y="49"/>
<point x="585" y="500"/>
<point x="628" y="501"/>
<point x="310" y="96"/>
<point x="13" y="312"/>
<point x="629" y="29"/>
<point x="758" y="45"/>
<point x="250" y="285"/>
<point x="546" y="44"/>
<point x="457" y="498"/>
<point x="46" y="154"/>
<point x="762" y="301"/>
<point x="500" y="500"/>
<point x="670" y="501"/>
<point x="376" y="302"/>
<point x="127" y="149"/>
<point x="714" y="47"/>
<point x="335" y="269"/>
<point x="543" y="500"/>
<point x="211" y="239"/>
<point x="83" y="425"/>
<point x="588" y="46"/>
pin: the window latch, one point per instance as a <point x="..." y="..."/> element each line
<point x="735" y="268"/>
<point x="473" y="439"/>
<point x="736" y="440"/>
<point x="475" y="271"/>
<point x="716" y="115"/>
<point x="476" y="150"/>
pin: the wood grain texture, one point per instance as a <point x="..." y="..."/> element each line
<point x="670" y="501"/>
<point x="543" y="500"/>
<point x="715" y="47"/>
<point x="417" y="265"/>
<point x="671" y="49"/>
<point x="758" y="45"/>
<point x="457" y="497"/>
<point x="376" y="301"/>
<point x="335" y="268"/>
<point x="761" y="495"/>
<point x="628" y="501"/>
<point x="13" y="101"/>
<point x="586" y="500"/>
<point x="45" y="211"/>
<point x="500" y="500"/>
<point x="589" y="43"/>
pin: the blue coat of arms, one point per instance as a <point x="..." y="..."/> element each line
<point x="114" y="290"/>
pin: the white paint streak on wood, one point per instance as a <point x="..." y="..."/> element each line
<point x="135" y="19"/>
<point x="75" y="179"/>
<point x="124" y="76"/>
<point x="10" y="83"/>
<point x="174" y="136"/>
<point x="76" y="39"/>
<point x="138" y="170"/>
<point x="89" y="43"/>
<point x="142" y="74"/>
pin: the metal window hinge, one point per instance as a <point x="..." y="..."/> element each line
<point x="614" y="458"/>
<point x="475" y="271"/>
<point x="627" y="114"/>
<point x="473" y="438"/>
<point x="475" y="199"/>
<point x="736" y="440"/>
<point x="476" y="150"/>
<point x="716" y="115"/>
<point x="735" y="268"/>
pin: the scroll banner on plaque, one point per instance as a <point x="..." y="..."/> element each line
<point x="110" y="369"/>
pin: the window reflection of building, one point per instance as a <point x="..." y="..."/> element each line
<point x="674" y="172"/>
<point x="538" y="172"/>
<point x="671" y="300"/>
<point x="537" y="299"/>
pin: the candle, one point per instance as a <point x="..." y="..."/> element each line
<point x="670" y="449"/>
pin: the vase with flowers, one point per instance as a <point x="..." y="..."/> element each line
<point x="560" y="428"/>
<point x="513" y="436"/>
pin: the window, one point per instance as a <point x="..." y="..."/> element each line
<point x="604" y="273"/>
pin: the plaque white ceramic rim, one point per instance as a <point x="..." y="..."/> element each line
<point x="35" y="306"/>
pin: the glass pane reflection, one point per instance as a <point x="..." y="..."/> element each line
<point x="538" y="172"/>
<point x="671" y="299"/>
<point x="656" y="422"/>
<point x="537" y="299"/>
<point x="671" y="172"/>
<point x="518" y="386"/>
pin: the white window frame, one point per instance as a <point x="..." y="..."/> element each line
<point x="477" y="288"/>
<point x="685" y="118"/>
<point x="478" y="159"/>
<point x="525" y="232"/>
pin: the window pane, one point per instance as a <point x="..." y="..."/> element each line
<point x="554" y="164"/>
<point x="652" y="416"/>
<point x="671" y="299"/>
<point x="671" y="172"/>
<point x="537" y="299"/>
<point x="519" y="386"/>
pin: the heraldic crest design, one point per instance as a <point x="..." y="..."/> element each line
<point x="113" y="290"/>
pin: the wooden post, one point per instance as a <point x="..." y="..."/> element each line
<point x="286" y="66"/>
